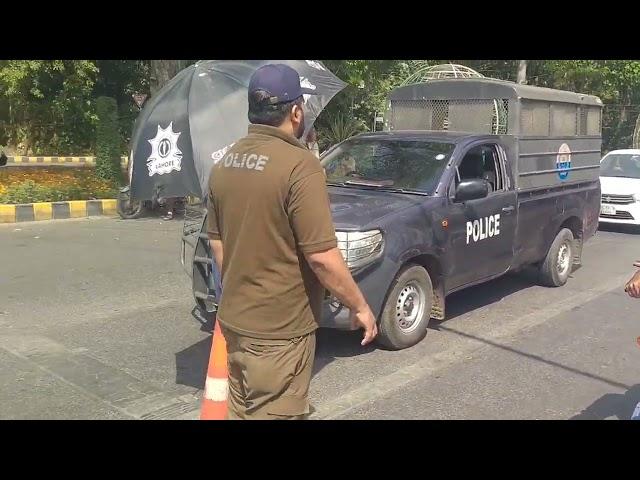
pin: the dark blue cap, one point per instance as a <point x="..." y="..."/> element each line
<point x="281" y="82"/>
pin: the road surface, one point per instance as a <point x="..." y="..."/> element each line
<point x="96" y="323"/>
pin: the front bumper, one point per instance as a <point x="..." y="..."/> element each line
<point x="335" y="315"/>
<point x="374" y="281"/>
<point x="628" y="214"/>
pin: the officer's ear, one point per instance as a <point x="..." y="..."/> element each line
<point x="297" y="113"/>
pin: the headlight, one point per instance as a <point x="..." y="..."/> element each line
<point x="360" y="248"/>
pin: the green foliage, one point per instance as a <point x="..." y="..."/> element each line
<point x="339" y="128"/>
<point x="48" y="107"/>
<point x="108" y="140"/>
<point x="616" y="82"/>
<point x="46" y="104"/>
<point x="29" y="192"/>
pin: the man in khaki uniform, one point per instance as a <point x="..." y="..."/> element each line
<point x="271" y="232"/>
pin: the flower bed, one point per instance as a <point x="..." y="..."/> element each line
<point x="50" y="184"/>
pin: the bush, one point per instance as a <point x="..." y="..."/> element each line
<point x="337" y="129"/>
<point x="28" y="185"/>
<point x="108" y="141"/>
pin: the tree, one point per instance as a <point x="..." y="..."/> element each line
<point x="46" y="105"/>
<point x="522" y="72"/>
<point x="368" y="85"/>
<point x="161" y="71"/>
<point x="120" y="79"/>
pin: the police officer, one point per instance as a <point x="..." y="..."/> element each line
<point x="273" y="239"/>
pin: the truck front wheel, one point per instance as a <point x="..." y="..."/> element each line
<point x="557" y="266"/>
<point x="406" y="313"/>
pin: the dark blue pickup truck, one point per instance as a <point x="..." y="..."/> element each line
<point x="471" y="180"/>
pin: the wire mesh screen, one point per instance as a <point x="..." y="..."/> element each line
<point x="472" y="115"/>
<point x="534" y="118"/>
<point x="411" y="115"/>
<point x="440" y="115"/>
<point x="593" y="121"/>
<point x="563" y="119"/>
<point x="499" y="120"/>
<point x="582" y="120"/>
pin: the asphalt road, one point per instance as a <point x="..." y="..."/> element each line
<point x="96" y="323"/>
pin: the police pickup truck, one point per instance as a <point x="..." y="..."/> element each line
<point x="472" y="179"/>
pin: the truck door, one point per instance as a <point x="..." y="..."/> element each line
<point x="483" y="230"/>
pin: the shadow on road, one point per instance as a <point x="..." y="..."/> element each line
<point x="332" y="344"/>
<point x="191" y="363"/>
<point x="538" y="358"/>
<point x="619" y="405"/>
<point x="469" y="299"/>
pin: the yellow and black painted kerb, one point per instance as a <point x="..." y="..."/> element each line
<point x="56" y="210"/>
<point x="72" y="161"/>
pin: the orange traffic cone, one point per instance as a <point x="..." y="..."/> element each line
<point x="214" y="400"/>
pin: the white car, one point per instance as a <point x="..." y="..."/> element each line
<point x="620" y="183"/>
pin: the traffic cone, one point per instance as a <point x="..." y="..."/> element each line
<point x="214" y="400"/>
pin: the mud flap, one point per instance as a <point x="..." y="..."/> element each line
<point x="438" y="306"/>
<point x="577" y="256"/>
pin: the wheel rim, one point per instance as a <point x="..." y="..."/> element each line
<point x="410" y="306"/>
<point x="563" y="262"/>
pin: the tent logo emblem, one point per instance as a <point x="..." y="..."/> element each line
<point x="165" y="156"/>
<point x="315" y="64"/>
<point x="164" y="148"/>
<point x="305" y="83"/>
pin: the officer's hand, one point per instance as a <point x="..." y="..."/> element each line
<point x="633" y="286"/>
<point x="363" y="318"/>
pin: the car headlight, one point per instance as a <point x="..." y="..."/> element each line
<point x="360" y="248"/>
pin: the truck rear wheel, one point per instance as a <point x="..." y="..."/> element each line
<point x="556" y="268"/>
<point x="406" y="313"/>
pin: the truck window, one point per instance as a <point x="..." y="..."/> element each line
<point x="394" y="163"/>
<point x="482" y="162"/>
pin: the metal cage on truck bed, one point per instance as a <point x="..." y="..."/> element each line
<point x="556" y="134"/>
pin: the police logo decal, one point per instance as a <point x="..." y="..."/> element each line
<point x="165" y="156"/>
<point x="483" y="228"/>
<point x="563" y="161"/>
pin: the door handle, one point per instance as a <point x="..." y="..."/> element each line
<point x="508" y="209"/>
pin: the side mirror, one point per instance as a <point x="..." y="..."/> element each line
<point x="472" y="189"/>
<point x="3" y="159"/>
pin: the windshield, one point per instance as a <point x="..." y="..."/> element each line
<point x="381" y="163"/>
<point x="625" y="165"/>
